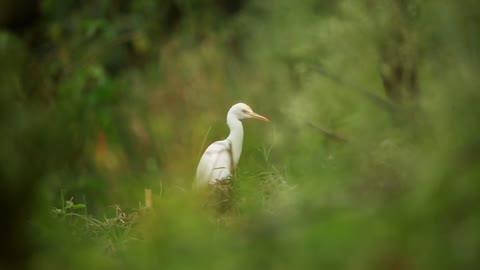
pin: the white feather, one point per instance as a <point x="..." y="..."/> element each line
<point x="216" y="164"/>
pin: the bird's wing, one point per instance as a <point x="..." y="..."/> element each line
<point x="215" y="164"/>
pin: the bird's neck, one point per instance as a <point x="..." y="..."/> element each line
<point x="235" y="137"/>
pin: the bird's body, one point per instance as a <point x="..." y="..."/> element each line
<point x="221" y="158"/>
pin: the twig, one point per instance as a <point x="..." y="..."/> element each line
<point x="329" y="133"/>
<point x="148" y="198"/>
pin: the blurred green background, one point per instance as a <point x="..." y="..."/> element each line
<point x="371" y="159"/>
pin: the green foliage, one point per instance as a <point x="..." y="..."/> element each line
<point x="370" y="160"/>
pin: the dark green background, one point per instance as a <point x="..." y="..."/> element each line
<point x="371" y="159"/>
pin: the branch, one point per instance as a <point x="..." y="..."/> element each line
<point x="377" y="100"/>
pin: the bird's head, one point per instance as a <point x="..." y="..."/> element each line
<point x="243" y="111"/>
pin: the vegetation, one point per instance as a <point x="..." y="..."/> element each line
<point x="371" y="159"/>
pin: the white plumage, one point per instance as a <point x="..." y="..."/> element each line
<point x="221" y="157"/>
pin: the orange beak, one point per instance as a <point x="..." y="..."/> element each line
<point x="258" y="116"/>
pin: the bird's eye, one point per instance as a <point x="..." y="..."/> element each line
<point x="244" y="111"/>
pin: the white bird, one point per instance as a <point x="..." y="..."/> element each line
<point x="221" y="157"/>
